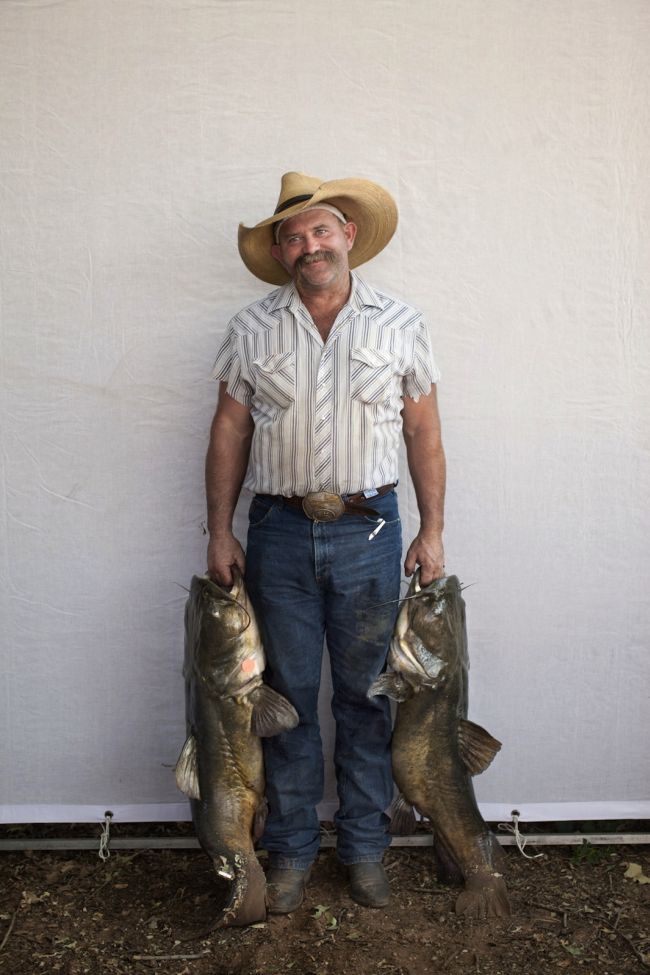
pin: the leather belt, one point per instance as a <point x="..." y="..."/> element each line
<point x="325" y="506"/>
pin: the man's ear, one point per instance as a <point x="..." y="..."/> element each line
<point x="276" y="252"/>
<point x="350" y="232"/>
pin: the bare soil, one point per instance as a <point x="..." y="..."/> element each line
<point x="151" y="911"/>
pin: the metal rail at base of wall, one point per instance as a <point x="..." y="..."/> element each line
<point x="424" y="839"/>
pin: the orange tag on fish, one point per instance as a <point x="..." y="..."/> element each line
<point x="248" y="665"/>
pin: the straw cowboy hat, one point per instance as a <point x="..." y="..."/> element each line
<point x="366" y="204"/>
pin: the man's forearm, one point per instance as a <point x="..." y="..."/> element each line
<point x="231" y="434"/>
<point x="225" y="468"/>
<point x="426" y="460"/>
<point x="427" y="466"/>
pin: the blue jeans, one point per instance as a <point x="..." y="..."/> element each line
<point x="308" y="582"/>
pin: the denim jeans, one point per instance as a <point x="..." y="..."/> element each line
<point x="309" y="582"/>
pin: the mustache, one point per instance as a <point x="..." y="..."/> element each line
<point x="317" y="256"/>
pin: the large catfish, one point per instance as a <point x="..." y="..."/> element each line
<point x="435" y="748"/>
<point x="220" y="767"/>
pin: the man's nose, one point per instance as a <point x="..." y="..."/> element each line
<point x="311" y="244"/>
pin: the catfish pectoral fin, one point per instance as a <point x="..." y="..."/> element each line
<point x="402" y="817"/>
<point x="272" y="713"/>
<point x="391" y="685"/>
<point x="477" y="746"/>
<point x="187" y="774"/>
<point x="484" y="896"/>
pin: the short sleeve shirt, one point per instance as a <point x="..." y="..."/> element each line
<point x="327" y="415"/>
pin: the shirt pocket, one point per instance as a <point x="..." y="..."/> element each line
<point x="275" y="380"/>
<point x="371" y="375"/>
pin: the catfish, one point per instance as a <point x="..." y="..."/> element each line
<point x="436" y="750"/>
<point x="228" y="710"/>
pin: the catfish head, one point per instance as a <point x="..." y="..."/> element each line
<point x="429" y="642"/>
<point x="227" y="649"/>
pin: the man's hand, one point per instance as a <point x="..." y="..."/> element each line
<point x="427" y="552"/>
<point x="224" y="552"/>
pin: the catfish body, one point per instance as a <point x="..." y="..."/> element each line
<point x="220" y="767"/>
<point x="435" y="750"/>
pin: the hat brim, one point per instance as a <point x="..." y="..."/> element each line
<point x="365" y="203"/>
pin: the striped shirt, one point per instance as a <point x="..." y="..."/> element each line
<point x="327" y="414"/>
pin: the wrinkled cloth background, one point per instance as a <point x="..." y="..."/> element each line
<point x="135" y="136"/>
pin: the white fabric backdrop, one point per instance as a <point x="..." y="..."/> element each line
<point x="136" y="135"/>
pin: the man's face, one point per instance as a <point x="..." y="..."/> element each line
<point x="313" y="249"/>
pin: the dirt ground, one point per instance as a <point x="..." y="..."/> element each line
<point x="151" y="911"/>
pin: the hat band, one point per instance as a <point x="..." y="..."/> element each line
<point x="317" y="206"/>
<point x="292" y="201"/>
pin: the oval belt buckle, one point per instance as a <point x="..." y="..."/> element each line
<point x="321" y="506"/>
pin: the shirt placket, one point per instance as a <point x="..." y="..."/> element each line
<point x="324" y="420"/>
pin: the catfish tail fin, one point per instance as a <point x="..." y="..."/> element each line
<point x="247" y="895"/>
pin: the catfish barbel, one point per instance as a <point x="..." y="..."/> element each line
<point x="220" y="767"/>
<point x="435" y="748"/>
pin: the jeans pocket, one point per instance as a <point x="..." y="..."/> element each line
<point x="386" y="508"/>
<point x="260" y="511"/>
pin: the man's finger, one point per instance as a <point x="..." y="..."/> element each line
<point x="409" y="563"/>
<point x="223" y="577"/>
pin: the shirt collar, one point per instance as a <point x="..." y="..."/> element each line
<point x="361" y="296"/>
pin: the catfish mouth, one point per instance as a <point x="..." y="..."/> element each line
<point x="420" y="648"/>
<point x="416" y="663"/>
<point x="432" y="628"/>
<point x="410" y="655"/>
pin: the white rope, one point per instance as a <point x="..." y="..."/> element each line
<point x="105" y="839"/>
<point x="520" y="840"/>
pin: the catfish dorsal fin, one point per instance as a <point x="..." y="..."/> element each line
<point x="272" y="713"/>
<point x="477" y="746"/>
<point x="187" y="772"/>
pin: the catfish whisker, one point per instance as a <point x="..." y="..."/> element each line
<point x="400" y="599"/>
<point x="415" y="595"/>
<point x="243" y="630"/>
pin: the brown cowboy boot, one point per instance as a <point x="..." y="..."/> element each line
<point x="369" y="884"/>
<point x="285" y="889"/>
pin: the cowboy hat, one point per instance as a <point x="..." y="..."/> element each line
<point x="366" y="204"/>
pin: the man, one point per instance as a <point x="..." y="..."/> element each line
<point x="317" y="381"/>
